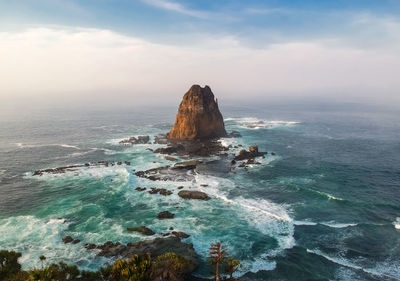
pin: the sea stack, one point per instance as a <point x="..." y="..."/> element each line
<point x="198" y="116"/>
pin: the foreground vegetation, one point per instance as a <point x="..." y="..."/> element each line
<point x="167" y="267"/>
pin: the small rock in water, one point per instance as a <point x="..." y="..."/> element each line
<point x="180" y="187"/>
<point x="67" y="239"/>
<point x="133" y="140"/>
<point x="161" y="191"/>
<point x="90" y="246"/>
<point x="142" y="229"/>
<point x="188" y="194"/>
<point x="165" y="215"/>
<point x="140" y="188"/>
<point x="76" y="241"/>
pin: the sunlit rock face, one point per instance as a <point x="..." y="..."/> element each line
<point x="198" y="116"/>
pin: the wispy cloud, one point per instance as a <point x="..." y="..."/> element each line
<point x="177" y="7"/>
<point x="267" y="11"/>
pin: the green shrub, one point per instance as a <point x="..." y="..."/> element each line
<point x="59" y="272"/>
<point x="138" y="268"/>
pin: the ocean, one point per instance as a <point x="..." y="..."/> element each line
<point x="325" y="206"/>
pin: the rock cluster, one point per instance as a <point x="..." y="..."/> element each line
<point x="134" y="140"/>
<point x="68" y="239"/>
<point x="251" y="154"/>
<point x="198" y="116"/>
<point x="64" y="169"/>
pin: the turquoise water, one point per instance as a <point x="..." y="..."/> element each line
<point x="326" y="206"/>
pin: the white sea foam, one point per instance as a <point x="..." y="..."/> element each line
<point x="338" y="225"/>
<point x="21" y="145"/>
<point x="56" y="221"/>
<point x="397" y="223"/>
<point x="256" y="123"/>
<point x="269" y="218"/>
<point x="34" y="237"/>
<point x="343" y="262"/>
<point x="69" y="146"/>
<point x="304" y="223"/>
<point x="327" y="195"/>
<point x="329" y="224"/>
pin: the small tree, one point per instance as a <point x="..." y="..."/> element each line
<point x="231" y="266"/>
<point x="42" y="259"/>
<point x="217" y="256"/>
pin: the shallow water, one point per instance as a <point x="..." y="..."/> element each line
<point x="326" y="206"/>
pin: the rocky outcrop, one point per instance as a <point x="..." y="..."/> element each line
<point x="198" y="116"/>
<point x="189" y="194"/>
<point x="134" y="140"/>
<point x="251" y="154"/>
<point x="166" y="174"/>
<point x="71" y="168"/>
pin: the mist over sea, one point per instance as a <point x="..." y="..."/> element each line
<point x="325" y="206"/>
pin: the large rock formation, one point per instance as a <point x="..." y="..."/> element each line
<point x="198" y="116"/>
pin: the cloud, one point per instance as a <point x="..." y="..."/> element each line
<point x="100" y="65"/>
<point x="267" y="11"/>
<point x="177" y="7"/>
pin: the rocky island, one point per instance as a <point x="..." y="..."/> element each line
<point x="198" y="116"/>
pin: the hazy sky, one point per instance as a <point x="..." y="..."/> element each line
<point x="153" y="50"/>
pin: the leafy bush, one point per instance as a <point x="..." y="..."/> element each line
<point x="138" y="268"/>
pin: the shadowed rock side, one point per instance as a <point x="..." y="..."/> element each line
<point x="198" y="116"/>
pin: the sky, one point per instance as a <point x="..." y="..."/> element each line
<point x="152" y="51"/>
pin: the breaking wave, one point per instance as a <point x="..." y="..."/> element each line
<point x="256" y="123"/>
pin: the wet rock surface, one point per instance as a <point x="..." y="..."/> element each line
<point x="193" y="194"/>
<point x="142" y="229"/>
<point x="165" y="215"/>
<point x="202" y="148"/>
<point x="180" y="235"/>
<point x="67" y="239"/>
